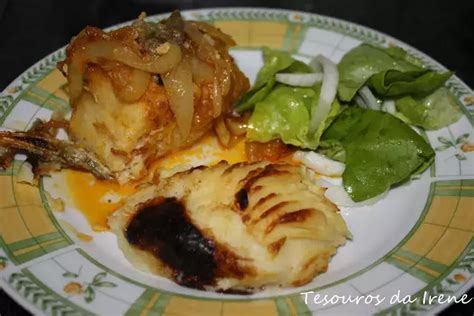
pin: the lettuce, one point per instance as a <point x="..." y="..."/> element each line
<point x="285" y="114"/>
<point x="393" y="73"/>
<point x="273" y="62"/>
<point x="380" y="151"/>
<point x="393" y="83"/>
<point x="362" y="62"/>
<point x="434" y="111"/>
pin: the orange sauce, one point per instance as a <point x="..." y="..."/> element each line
<point x="97" y="200"/>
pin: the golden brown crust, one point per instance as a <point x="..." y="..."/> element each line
<point x="283" y="236"/>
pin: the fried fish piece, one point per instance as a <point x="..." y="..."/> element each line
<point x="237" y="227"/>
<point x="46" y="153"/>
<point x="147" y="89"/>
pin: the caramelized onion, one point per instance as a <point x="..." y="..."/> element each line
<point x="179" y="88"/>
<point x="222" y="133"/>
<point x="75" y="79"/>
<point x="135" y="87"/>
<point x="214" y="33"/>
<point x="202" y="72"/>
<point x="237" y="125"/>
<point x="116" y="51"/>
<point x="216" y="98"/>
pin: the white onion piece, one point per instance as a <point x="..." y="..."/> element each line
<point x="369" y="99"/>
<point x="327" y="182"/>
<point x="299" y="80"/>
<point x="340" y="197"/>
<point x="389" y="106"/>
<point x="328" y="90"/>
<point x="320" y="163"/>
<point x="360" y="102"/>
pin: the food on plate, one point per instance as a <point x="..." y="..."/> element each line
<point x="145" y="90"/>
<point x="46" y="153"/>
<point x="231" y="227"/>
<point x="358" y="112"/>
<point x="394" y="75"/>
<point x="380" y="151"/>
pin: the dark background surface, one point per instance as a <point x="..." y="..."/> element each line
<point x="31" y="29"/>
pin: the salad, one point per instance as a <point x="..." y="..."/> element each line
<point x="362" y="119"/>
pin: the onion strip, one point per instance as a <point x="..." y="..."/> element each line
<point x="328" y="90"/>
<point x="299" y="80"/>
<point x="389" y="106"/>
<point x="179" y="88"/>
<point x="124" y="54"/>
<point x="136" y="87"/>
<point x="369" y="99"/>
<point x="116" y="51"/>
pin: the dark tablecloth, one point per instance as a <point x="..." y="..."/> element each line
<point x="31" y="29"/>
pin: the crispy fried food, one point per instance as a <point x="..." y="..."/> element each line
<point x="231" y="227"/>
<point x="145" y="90"/>
<point x="47" y="153"/>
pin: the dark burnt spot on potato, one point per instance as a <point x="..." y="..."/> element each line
<point x="242" y="199"/>
<point x="163" y="228"/>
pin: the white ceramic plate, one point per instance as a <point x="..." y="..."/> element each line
<point x="417" y="241"/>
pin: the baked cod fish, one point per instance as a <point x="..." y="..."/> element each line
<point x="237" y="227"/>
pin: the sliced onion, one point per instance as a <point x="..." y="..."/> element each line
<point x="389" y="106"/>
<point x="299" y="80"/>
<point x="360" y="102"/>
<point x="328" y="90"/>
<point x="214" y="32"/>
<point x="116" y="51"/>
<point x="136" y="86"/>
<point x="179" y="88"/>
<point x="222" y="132"/>
<point x="320" y="163"/>
<point x="237" y="125"/>
<point x="216" y="98"/>
<point x="75" y="79"/>
<point x="202" y="72"/>
<point x="369" y="99"/>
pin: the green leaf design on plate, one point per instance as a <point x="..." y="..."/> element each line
<point x="68" y="274"/>
<point x="98" y="277"/>
<point x="444" y="140"/>
<point x="460" y="157"/>
<point x="105" y="284"/>
<point x="462" y="138"/>
<point x="89" y="294"/>
<point x="442" y="147"/>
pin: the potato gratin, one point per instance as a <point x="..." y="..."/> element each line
<point x="231" y="227"/>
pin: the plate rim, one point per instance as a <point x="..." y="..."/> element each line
<point x="426" y="58"/>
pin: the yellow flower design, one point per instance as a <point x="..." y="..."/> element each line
<point x="73" y="288"/>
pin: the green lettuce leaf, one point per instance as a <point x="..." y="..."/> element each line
<point x="273" y="62"/>
<point x="434" y="111"/>
<point x="364" y="61"/>
<point x="393" y="83"/>
<point x="332" y="149"/>
<point x="285" y="114"/>
<point x="380" y="151"/>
